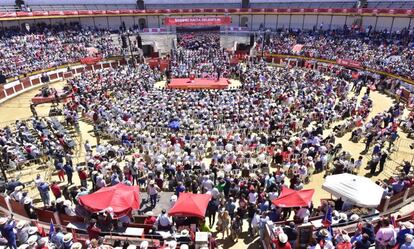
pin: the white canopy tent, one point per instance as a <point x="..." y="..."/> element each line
<point x="361" y="191"/>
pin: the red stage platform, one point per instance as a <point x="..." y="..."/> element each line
<point x="198" y="83"/>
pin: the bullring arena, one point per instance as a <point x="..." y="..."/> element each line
<point x="207" y="124"/>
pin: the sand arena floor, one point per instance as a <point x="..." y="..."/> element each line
<point x="18" y="108"/>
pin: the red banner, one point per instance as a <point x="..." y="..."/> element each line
<point x="90" y="60"/>
<point x="198" y="21"/>
<point x="348" y="63"/>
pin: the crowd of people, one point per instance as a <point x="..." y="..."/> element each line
<point x="223" y="143"/>
<point x="44" y="46"/>
<point x="380" y="50"/>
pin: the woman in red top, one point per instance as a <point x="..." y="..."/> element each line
<point x="56" y="190"/>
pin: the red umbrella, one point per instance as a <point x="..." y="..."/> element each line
<point x="120" y="197"/>
<point x="192" y="205"/>
<point x="292" y="198"/>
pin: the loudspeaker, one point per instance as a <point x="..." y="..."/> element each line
<point x="245" y="4"/>
<point x="124" y="41"/>
<point x="251" y="40"/>
<point x="139" y="41"/>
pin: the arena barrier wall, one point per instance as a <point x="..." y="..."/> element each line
<point x="21" y="84"/>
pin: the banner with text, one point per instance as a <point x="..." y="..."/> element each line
<point x="348" y="63"/>
<point x="197" y="21"/>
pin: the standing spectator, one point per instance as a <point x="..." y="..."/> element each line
<point x="44" y="193"/>
<point x="7" y="231"/>
<point x="231" y="207"/>
<point x="212" y="209"/>
<point x="83" y="177"/>
<point x="152" y="191"/>
<point x="55" y="188"/>
<point x="69" y="172"/>
<point x="225" y="224"/>
<point x="236" y="228"/>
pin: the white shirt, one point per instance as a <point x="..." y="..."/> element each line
<point x="163" y="220"/>
<point x="253" y="197"/>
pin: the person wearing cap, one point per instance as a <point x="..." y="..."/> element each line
<point x="22" y="232"/>
<point x="7" y="231"/>
<point x="152" y="191"/>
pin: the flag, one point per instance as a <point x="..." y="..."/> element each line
<point x="51" y="229"/>
<point x="393" y="222"/>
<point x="327" y="220"/>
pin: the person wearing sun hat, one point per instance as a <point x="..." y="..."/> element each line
<point x="32" y="241"/>
<point x="76" y="245"/>
<point x="22" y="232"/>
<point x="7" y="230"/>
<point x="282" y="241"/>
<point x="67" y="241"/>
<point x="323" y="238"/>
